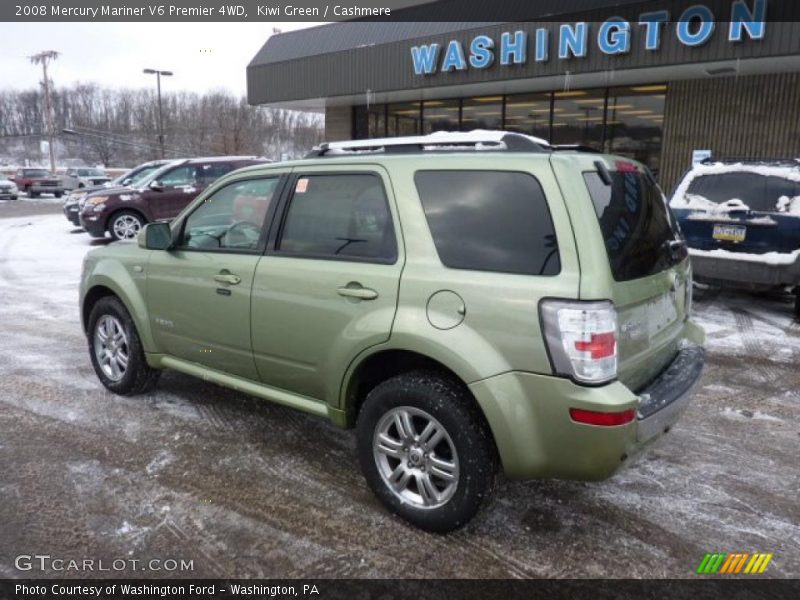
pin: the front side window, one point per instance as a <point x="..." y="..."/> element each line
<point x="209" y="173"/>
<point x="232" y="218"/>
<point x="489" y="221"/>
<point x="184" y="175"/>
<point x="339" y="216"/>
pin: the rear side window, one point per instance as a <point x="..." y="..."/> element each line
<point x="758" y="192"/>
<point x="489" y="221"/>
<point x="635" y="223"/>
<point x="339" y="216"/>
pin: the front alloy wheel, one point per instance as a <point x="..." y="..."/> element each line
<point x="111" y="347"/>
<point x="125" y="226"/>
<point x="416" y="457"/>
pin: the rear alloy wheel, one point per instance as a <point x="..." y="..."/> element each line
<point x="116" y="351"/>
<point x="425" y="450"/>
<point x="125" y="226"/>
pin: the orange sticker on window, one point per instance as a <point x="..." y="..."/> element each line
<point x="302" y="186"/>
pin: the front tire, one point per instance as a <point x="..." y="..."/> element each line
<point x="125" y="225"/>
<point x="425" y="450"/>
<point x="116" y="350"/>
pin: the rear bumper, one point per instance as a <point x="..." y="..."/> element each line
<point x="746" y="273"/>
<point x="536" y="438"/>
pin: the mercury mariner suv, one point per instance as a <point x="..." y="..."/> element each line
<point x="465" y="301"/>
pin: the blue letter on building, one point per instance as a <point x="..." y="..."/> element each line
<point x="454" y="57"/>
<point x="425" y="58"/>
<point x="515" y="52"/>
<point x="653" y="22"/>
<point x="614" y="36"/>
<point x="572" y="40"/>
<point x="754" y="22"/>
<point x="542" y="51"/>
<point x="480" y="52"/>
<point x="703" y="32"/>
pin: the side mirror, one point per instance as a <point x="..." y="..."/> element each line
<point x="127" y="181"/>
<point x="155" y="236"/>
<point x="156" y="186"/>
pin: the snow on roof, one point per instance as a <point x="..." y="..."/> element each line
<point x="481" y="139"/>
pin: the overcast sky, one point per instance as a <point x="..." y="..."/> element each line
<point x="203" y="56"/>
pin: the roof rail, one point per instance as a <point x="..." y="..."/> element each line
<point x="440" y="140"/>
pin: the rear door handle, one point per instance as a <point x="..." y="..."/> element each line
<point x="361" y="293"/>
<point x="228" y="279"/>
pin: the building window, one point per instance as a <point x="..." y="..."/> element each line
<point x="404" y="119"/>
<point x="624" y="120"/>
<point x="635" y="122"/>
<point x="578" y="117"/>
<point x="441" y="115"/>
<point x="529" y="113"/>
<point x="484" y="112"/>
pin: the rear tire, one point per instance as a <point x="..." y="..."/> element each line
<point x="797" y="302"/>
<point x="116" y="350"/>
<point x="125" y="225"/>
<point x="426" y="451"/>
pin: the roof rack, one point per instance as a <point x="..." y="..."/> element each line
<point x="441" y="140"/>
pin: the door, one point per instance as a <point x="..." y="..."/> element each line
<point x="199" y="291"/>
<point x="327" y="288"/>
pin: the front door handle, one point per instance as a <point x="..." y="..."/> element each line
<point x="228" y="278"/>
<point x="360" y="293"/>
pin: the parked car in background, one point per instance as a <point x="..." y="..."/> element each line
<point x="81" y="177"/>
<point x="741" y="220"/>
<point x="36" y="181"/>
<point x="130" y="178"/>
<point x="8" y="189"/>
<point x="532" y="312"/>
<point x="161" y="196"/>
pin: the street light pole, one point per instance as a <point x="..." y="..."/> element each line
<point x="158" y="75"/>
<point x="43" y="58"/>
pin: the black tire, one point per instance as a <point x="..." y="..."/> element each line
<point x="449" y="403"/>
<point x="13" y="197"/>
<point x="138" y="377"/>
<point x="797" y="302"/>
<point x="124" y="214"/>
<point x="58" y="194"/>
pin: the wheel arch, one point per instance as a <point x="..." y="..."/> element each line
<point x="111" y="279"/>
<point x="375" y="368"/>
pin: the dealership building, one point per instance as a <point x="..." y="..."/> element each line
<point x="635" y="78"/>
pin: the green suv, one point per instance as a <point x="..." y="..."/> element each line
<point x="465" y="301"/>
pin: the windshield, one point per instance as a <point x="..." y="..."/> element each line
<point x="635" y="222"/>
<point x="35" y="173"/>
<point x="135" y="176"/>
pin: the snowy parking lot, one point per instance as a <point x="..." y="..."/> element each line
<point x="244" y="488"/>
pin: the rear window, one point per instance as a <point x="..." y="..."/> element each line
<point x="635" y="222"/>
<point x="758" y="192"/>
<point x="489" y="221"/>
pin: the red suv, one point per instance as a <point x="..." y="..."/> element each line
<point x="35" y="181"/>
<point x="123" y="212"/>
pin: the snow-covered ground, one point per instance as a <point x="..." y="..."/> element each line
<point x="246" y="488"/>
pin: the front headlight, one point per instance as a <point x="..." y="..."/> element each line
<point x="94" y="200"/>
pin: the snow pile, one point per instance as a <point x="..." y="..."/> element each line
<point x="789" y="205"/>
<point x="768" y="258"/>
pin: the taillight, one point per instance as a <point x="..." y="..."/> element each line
<point x="582" y="339"/>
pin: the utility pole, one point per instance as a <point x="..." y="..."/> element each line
<point x="43" y="58"/>
<point x="158" y="75"/>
